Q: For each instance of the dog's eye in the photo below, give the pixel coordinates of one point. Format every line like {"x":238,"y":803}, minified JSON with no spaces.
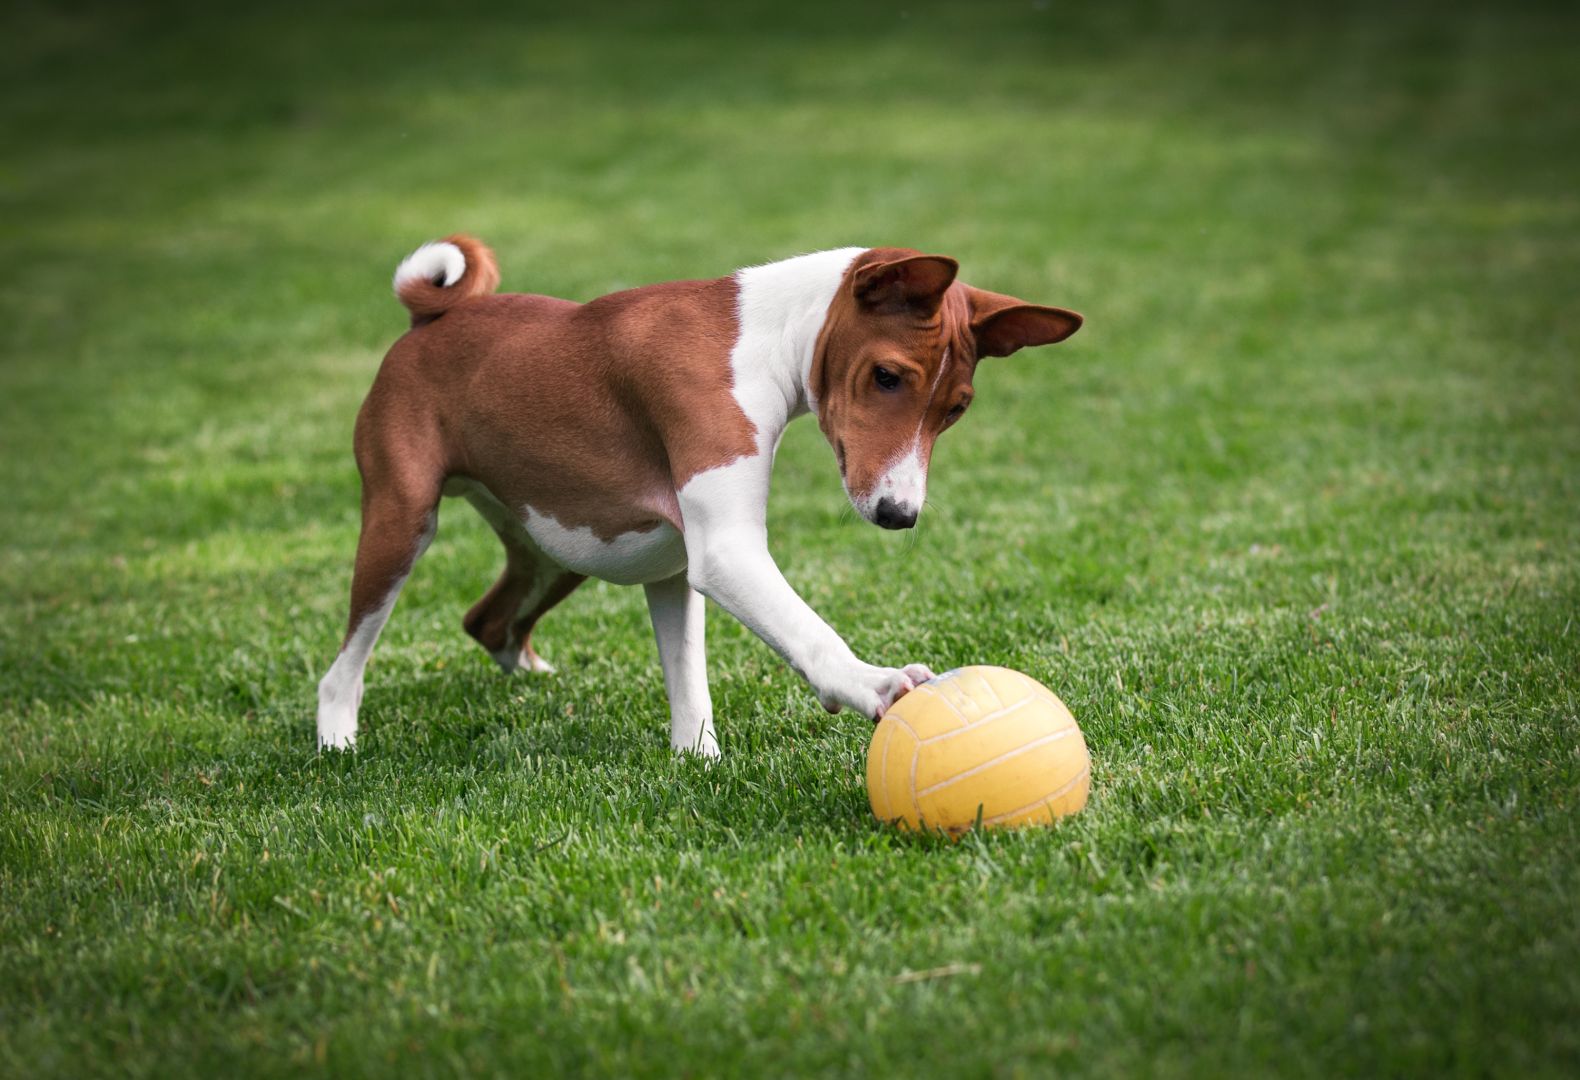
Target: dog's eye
{"x":955,"y":413}
{"x":886,"y":379}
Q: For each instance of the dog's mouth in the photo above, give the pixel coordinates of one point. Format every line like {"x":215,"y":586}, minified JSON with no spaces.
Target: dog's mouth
{"x":839,"y":452}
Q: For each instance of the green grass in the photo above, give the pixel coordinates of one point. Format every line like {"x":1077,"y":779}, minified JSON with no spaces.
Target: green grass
{"x":1291,"y":525}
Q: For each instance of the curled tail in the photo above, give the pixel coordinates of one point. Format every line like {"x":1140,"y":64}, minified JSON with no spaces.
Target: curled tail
{"x":439,"y":275}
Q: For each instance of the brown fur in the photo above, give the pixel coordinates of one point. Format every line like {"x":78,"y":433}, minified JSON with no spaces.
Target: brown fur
{"x":598,"y":413}
{"x":595,"y":414}
{"x":905,"y":311}
{"x":427,"y":300}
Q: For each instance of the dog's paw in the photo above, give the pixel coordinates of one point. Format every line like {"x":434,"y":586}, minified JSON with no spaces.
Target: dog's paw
{"x":704,"y":745}
{"x":511,"y":661}
{"x":337,"y":729}
{"x":872,"y":691}
{"x":338,"y":702}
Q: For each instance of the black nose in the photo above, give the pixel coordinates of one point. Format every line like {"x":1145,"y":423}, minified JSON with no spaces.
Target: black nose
{"x":891,"y":516}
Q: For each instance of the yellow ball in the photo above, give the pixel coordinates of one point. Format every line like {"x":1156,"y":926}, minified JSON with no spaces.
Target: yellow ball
{"x":976,"y":741}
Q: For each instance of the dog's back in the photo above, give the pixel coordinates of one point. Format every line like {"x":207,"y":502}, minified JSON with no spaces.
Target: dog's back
{"x":591,"y":413}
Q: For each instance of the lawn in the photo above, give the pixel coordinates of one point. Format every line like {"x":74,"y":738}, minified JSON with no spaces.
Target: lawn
{"x":1291,"y":526}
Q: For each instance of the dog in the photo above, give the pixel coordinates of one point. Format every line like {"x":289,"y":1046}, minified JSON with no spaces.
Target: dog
{"x":632,"y":437}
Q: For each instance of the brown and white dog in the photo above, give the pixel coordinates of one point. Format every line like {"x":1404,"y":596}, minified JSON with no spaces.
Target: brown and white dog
{"x":631,"y":438}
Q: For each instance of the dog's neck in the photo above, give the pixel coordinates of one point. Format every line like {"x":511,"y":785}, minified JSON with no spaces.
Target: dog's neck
{"x":782,"y":307}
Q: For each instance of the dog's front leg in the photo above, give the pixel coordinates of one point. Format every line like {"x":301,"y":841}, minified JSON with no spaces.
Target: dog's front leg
{"x":676,"y":609}
{"x":728,"y":562}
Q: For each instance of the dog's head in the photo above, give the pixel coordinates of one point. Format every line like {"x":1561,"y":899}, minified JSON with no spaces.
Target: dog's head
{"x":894,"y":364}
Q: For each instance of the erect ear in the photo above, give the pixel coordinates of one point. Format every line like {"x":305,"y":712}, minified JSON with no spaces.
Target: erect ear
{"x":1002,"y":324}
{"x":915,"y":283}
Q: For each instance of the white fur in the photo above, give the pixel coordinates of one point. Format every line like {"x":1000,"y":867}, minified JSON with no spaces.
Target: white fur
{"x":633,"y":558}
{"x":904,"y":482}
{"x":782,"y":308}
{"x":439,"y":260}
{"x":677,"y":613}
{"x":628,"y":559}
{"x":340,"y":691}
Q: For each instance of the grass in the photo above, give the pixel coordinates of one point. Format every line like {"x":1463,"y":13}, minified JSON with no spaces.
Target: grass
{"x":1290,"y":525}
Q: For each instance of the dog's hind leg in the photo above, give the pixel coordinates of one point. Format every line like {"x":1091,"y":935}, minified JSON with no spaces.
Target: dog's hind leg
{"x":398,"y":521}
{"x":531,"y":584}
{"x":503,"y":619}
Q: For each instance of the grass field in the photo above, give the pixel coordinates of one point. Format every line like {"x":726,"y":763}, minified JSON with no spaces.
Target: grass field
{"x":1291,"y":525}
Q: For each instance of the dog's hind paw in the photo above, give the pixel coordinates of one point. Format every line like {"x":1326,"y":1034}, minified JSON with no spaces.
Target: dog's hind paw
{"x":511,"y":661}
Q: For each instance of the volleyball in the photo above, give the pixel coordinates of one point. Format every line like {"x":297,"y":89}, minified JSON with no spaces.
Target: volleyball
{"x":977,"y":745}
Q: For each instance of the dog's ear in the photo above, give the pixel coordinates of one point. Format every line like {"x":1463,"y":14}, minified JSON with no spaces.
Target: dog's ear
{"x":915,"y":283}
{"x":1002,"y":324}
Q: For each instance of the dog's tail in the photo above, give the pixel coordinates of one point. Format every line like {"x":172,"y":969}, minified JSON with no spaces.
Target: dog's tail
{"x":439,"y":275}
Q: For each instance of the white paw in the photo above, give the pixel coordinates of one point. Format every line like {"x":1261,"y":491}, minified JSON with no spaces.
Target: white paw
{"x":513,"y":660}
{"x":871,"y":690}
{"x":704,"y":744}
{"x":337,"y":729}
{"x":338,"y":702}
